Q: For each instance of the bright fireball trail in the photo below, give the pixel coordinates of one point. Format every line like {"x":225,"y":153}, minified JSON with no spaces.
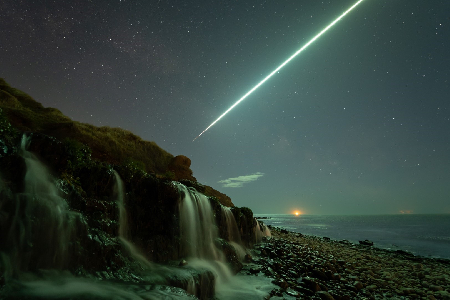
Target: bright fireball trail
{"x":281,"y":66}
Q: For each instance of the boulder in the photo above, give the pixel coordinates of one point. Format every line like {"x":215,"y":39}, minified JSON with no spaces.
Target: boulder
{"x":180,"y":166}
{"x":366,"y":243}
{"x":324,"y":295}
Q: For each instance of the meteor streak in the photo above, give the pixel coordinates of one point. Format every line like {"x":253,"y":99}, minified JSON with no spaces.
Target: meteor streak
{"x":282,"y":65}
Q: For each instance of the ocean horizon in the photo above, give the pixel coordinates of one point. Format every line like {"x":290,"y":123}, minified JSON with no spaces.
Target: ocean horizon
{"x":426,"y":235}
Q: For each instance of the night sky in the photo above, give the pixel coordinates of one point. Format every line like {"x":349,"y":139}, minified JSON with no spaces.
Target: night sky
{"x":358,"y":123}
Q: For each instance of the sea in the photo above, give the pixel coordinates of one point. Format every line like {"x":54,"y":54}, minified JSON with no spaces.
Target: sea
{"x":423,"y":235}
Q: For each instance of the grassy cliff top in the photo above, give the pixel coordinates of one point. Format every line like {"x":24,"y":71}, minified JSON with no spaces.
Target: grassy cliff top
{"x":113,"y":145}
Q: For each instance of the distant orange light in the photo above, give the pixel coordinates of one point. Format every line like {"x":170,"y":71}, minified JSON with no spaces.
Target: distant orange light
{"x":297,"y":212}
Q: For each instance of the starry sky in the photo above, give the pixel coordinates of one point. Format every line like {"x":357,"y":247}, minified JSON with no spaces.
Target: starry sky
{"x":358,"y":123}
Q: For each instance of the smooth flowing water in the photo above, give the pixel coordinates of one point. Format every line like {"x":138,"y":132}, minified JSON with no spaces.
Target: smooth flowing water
{"x":234,"y":236}
{"x":199,"y":233}
{"x":39,"y":223}
{"x":198,"y":226}
{"x":119,"y":192}
{"x":38,"y":230}
{"x":41,"y":229}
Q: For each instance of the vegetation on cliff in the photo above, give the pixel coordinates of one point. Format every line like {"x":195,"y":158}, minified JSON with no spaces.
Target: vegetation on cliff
{"x":67,"y":204}
{"x":110,"y":145}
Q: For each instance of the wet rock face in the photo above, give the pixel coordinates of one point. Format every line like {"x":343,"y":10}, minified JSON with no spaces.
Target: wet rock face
{"x":198,"y":282}
{"x":153,"y":217}
{"x":89,"y":243}
{"x":246,"y":224}
{"x":87,"y":187}
{"x":230,"y":255}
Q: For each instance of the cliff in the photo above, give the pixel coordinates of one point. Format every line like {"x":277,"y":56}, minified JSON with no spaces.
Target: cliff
{"x":69,"y":203}
{"x":110,"y":145}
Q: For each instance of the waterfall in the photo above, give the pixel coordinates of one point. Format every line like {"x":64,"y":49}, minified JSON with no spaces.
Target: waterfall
{"x":198,"y":227}
{"x":40,"y":225}
{"x":232,"y":228}
{"x":233,"y":234}
{"x":199,"y":233}
{"x":119,"y":192}
{"x":261,"y":231}
{"x":39,"y":232}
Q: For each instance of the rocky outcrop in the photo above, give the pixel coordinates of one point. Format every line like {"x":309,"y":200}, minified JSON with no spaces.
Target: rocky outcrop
{"x":151,"y":202}
{"x":224,"y":199}
{"x":180,"y":166}
{"x":88,"y":187}
{"x":91,"y":220}
{"x":208,"y":191}
{"x":95,"y":248}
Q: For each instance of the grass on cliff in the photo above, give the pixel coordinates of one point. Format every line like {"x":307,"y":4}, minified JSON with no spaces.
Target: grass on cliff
{"x":113,"y":145}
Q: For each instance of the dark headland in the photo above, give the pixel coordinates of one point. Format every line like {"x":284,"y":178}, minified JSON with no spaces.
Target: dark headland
{"x":100,"y":203}
{"x":98,"y":213}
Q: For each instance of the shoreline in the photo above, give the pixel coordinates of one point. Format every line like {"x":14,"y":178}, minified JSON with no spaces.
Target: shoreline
{"x":310,"y":267}
{"x":364,"y":244}
{"x":430,"y":241}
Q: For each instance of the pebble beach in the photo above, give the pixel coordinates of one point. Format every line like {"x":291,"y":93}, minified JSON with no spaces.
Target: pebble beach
{"x":309,"y":267}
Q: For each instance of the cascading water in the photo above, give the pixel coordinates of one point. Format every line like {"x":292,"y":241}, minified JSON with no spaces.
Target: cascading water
{"x":158,"y":274}
{"x":199,"y":233}
{"x":232,"y":228}
{"x":234,"y":236}
{"x":40,"y":225}
{"x":198,"y":226}
{"x":242,"y":287}
{"x":261,"y":231}
{"x":38,"y":232}
{"x":123,"y":224}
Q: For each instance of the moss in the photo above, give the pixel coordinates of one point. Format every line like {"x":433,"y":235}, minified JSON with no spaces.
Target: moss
{"x":9,"y":136}
{"x":247,"y":212}
{"x":95,"y":178}
{"x":217,"y":208}
{"x":134,"y":164}
{"x":74,"y":182}
{"x":169,"y":175}
{"x":79,"y":151}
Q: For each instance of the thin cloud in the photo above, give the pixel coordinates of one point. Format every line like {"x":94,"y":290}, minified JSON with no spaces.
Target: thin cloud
{"x":238,"y":182}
